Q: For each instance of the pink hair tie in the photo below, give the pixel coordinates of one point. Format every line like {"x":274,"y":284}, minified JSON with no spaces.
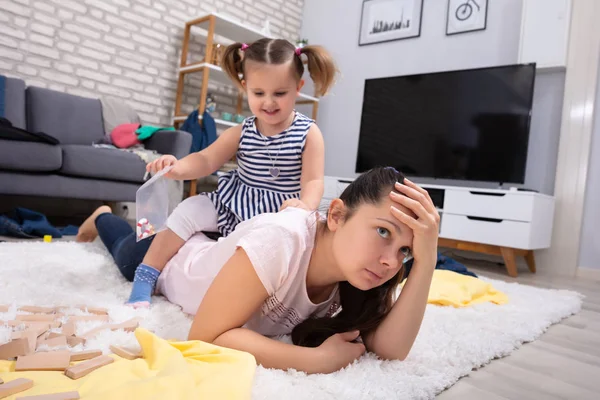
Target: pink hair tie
{"x":244,"y":47}
{"x":298,"y":51}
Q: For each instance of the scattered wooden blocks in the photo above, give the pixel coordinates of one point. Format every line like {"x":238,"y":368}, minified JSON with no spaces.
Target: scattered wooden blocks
{"x":14,"y":348}
{"x":128,"y":326}
{"x":54,"y":342}
{"x":74,"y":341}
{"x":125,"y":353}
{"x":44,"y":361}
{"x":3,"y":308}
{"x":85,"y":355}
{"x":31,"y":336}
{"x":68,"y":329}
{"x":36,"y":317}
{"x":94,"y":310}
{"x":53,"y":396}
{"x":15,"y":386}
{"x":82,"y":369}
{"x":37,"y":310}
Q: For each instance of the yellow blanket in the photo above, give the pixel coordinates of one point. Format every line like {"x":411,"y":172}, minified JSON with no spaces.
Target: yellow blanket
{"x":169,"y":370}
{"x":449,"y":288}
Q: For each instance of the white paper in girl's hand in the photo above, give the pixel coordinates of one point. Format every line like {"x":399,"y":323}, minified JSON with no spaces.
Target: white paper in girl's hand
{"x":152,"y":205}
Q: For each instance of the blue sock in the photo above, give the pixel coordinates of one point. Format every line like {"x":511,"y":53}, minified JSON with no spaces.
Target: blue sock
{"x":143,"y":283}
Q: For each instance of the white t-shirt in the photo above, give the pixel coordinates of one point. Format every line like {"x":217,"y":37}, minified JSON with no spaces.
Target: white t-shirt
{"x":279,"y":246}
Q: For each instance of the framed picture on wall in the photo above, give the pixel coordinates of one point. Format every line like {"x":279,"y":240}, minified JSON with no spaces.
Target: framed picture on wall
{"x":387,"y":20}
{"x":466,"y":16}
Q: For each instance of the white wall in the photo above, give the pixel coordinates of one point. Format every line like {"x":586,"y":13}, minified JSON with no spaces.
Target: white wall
{"x":589,"y":250}
{"x":335,"y":25}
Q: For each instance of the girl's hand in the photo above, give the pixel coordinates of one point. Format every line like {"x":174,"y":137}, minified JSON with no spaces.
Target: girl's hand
{"x":293,"y":203}
{"x":338,"y":351}
{"x":425,"y":224}
{"x":162,"y":163}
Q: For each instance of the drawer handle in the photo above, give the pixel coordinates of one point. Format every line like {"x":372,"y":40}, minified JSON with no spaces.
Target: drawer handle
{"x":344,"y":181}
{"x":485,"y":219}
{"x":487,"y":193}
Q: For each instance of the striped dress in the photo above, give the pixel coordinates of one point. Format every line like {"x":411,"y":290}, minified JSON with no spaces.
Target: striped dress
{"x":268,"y":173}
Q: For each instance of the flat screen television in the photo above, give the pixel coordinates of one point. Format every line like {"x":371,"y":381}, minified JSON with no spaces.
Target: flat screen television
{"x":465,"y":125}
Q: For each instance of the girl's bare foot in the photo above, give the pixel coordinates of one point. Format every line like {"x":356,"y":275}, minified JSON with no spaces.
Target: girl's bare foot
{"x":87,"y":230}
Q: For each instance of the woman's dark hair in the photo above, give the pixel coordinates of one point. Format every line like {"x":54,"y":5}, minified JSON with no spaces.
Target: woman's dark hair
{"x":321,"y":67}
{"x":360,"y":310}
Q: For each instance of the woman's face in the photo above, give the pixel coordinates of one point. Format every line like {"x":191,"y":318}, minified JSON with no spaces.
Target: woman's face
{"x":370,"y":246}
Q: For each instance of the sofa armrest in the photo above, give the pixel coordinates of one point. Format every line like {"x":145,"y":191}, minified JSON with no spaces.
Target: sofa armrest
{"x":176,"y":143}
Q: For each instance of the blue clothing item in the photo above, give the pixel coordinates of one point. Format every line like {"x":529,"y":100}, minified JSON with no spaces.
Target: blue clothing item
{"x":27,"y":224}
{"x":119,"y":238}
{"x":2,"y":94}
{"x":444,"y":263}
{"x":203,"y":134}
{"x":144,"y":283}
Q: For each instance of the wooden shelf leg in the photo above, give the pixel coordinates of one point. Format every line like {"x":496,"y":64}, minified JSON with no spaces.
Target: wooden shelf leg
{"x":193,"y":188}
{"x":530,"y":259}
{"x":509,"y":260}
{"x":315,"y":110}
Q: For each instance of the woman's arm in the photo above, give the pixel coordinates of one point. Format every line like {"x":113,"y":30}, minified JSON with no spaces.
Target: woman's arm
{"x":313,"y":168}
{"x":207,"y":161}
{"x":394,"y":337}
{"x":235,"y":294}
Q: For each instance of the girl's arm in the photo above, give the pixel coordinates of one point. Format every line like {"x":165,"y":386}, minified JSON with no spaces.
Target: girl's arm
{"x":207,"y":161}
{"x":235,"y":294}
{"x":313,"y":168}
{"x":394,"y":337}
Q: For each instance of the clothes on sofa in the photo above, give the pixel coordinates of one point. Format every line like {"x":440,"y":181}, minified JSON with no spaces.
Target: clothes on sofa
{"x":27,"y":224}
{"x":10,"y":132}
{"x":116,"y":112}
{"x":203,"y":134}
{"x":146,"y":131}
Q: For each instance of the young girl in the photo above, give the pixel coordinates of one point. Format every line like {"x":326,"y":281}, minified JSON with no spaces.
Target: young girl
{"x":286,"y":273}
{"x":280,"y":154}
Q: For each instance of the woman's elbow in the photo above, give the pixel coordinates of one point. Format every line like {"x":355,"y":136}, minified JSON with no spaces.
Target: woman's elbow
{"x":391,"y":354}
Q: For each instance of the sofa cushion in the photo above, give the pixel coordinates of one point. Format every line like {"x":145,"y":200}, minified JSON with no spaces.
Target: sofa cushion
{"x":71,"y":119}
{"x":14,"y":102}
{"x":101,"y":163}
{"x":29,"y":156}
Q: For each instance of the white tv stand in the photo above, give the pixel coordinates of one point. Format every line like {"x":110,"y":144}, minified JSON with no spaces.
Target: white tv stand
{"x":507,"y":223}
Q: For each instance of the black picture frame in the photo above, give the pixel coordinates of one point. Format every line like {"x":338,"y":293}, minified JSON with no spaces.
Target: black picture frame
{"x":363,"y":39}
{"x":465,"y":7}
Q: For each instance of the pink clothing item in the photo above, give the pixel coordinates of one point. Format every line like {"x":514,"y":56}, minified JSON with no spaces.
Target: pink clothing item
{"x":279,"y":246}
{"x":123,"y":136}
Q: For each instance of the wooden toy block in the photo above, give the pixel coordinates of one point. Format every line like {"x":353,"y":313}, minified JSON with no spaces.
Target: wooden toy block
{"x":37,"y":310}
{"x":52,"y":335}
{"x":14,"y":348}
{"x":55,"y":324}
{"x":128,"y":326}
{"x":36,"y":317}
{"x":53,"y":342}
{"x":30,"y":335}
{"x":125,"y":353}
{"x":82,"y":369}
{"x":94,"y":310}
{"x":68,"y":329}
{"x":53,"y":396}
{"x":74,"y":341}
{"x":85,"y":355}
{"x":44,"y":361}
{"x":3,"y":308}
{"x":95,"y":331}
{"x":15,"y":386}
{"x":79,"y":318}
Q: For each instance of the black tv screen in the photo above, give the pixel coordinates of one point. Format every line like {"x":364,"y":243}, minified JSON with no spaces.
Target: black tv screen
{"x":467,"y":125}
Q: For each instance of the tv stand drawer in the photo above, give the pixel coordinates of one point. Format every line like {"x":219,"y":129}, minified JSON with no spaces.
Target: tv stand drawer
{"x":489,"y":204}
{"x":498,"y":232}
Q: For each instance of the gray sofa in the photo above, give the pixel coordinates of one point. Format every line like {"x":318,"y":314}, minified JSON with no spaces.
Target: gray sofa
{"x":74,"y":168}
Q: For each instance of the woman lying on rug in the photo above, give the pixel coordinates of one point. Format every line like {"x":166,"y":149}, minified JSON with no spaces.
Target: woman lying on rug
{"x":284,"y":273}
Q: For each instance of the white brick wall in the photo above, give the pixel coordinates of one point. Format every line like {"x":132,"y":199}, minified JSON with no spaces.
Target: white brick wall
{"x":124,"y":48}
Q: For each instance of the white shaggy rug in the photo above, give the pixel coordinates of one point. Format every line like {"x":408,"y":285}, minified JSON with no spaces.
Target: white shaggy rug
{"x":450,"y":344}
